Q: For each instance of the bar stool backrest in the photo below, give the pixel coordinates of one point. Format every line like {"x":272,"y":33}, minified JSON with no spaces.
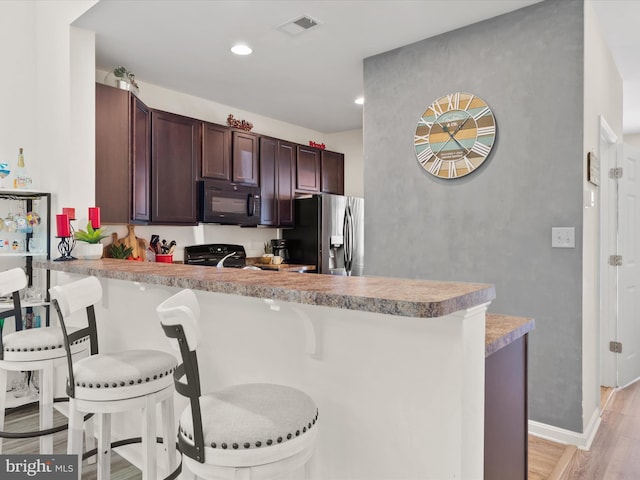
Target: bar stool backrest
{"x":11,"y":282}
{"x":71,"y":298}
{"x":179,"y":316}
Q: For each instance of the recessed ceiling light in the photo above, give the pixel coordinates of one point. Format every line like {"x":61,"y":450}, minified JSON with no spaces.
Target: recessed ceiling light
{"x":241,"y":49}
{"x":359,"y":101}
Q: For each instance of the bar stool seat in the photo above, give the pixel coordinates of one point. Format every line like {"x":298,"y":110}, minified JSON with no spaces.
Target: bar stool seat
{"x":249,"y":431}
{"x":44,"y":343}
{"x":122,"y":375}
{"x":35,"y":349}
{"x":107,"y":383}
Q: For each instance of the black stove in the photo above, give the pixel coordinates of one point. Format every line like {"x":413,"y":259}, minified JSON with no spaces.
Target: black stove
{"x":209,"y":255}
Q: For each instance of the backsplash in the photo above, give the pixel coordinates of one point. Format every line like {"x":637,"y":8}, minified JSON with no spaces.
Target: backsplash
{"x":252,"y":239}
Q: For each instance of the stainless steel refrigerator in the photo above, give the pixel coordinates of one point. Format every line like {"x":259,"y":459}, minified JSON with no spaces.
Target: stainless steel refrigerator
{"x":329,"y":234}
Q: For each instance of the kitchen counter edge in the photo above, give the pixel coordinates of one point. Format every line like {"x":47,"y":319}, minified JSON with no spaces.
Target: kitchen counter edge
{"x":502,"y":330}
{"x":391,"y":296}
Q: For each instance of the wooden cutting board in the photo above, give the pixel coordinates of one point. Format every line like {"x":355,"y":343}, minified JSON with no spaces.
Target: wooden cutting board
{"x":138,"y":245}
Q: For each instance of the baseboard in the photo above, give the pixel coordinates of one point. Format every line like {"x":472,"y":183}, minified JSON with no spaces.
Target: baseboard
{"x":567,"y":437}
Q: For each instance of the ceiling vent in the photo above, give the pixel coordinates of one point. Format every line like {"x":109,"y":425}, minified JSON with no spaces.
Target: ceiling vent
{"x":298,"y":25}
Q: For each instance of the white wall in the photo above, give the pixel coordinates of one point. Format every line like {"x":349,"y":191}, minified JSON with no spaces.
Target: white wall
{"x":602,"y":96}
{"x":351,"y":145}
{"x":633,"y":140}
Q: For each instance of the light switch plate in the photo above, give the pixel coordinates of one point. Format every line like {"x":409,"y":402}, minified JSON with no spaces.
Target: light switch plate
{"x":563,"y":237}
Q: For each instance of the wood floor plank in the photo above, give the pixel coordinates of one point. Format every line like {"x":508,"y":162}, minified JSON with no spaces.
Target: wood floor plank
{"x":26,"y":418}
{"x":613,"y":454}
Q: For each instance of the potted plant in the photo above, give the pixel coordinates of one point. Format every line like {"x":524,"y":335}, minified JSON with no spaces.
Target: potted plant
{"x":92,"y":248}
{"x":125,"y":79}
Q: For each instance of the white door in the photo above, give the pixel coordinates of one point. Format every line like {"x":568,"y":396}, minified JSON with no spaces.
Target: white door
{"x":628,"y":325}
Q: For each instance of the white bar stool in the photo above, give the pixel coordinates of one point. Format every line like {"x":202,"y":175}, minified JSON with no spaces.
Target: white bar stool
{"x":115,"y":382}
{"x":247,"y":431}
{"x":36,"y":349}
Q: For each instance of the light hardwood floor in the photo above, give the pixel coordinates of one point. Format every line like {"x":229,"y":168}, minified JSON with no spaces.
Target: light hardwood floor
{"x":26,"y":418}
{"x":614,"y":452}
{"x":553,"y":461}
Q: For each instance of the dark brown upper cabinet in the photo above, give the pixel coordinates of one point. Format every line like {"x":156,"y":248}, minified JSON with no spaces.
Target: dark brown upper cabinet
{"x":175,"y":155}
{"x":216,"y":151}
{"x":308,"y":169}
{"x":245,"y":158}
{"x":122,"y":156}
{"x":332,"y":168}
{"x":277,"y":167}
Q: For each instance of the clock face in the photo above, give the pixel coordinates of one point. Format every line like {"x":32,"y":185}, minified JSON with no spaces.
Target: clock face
{"x":455,"y":135}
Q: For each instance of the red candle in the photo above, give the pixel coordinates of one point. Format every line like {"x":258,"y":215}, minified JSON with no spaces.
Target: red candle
{"x":94,"y":217}
{"x":62,"y":224}
{"x":71,"y":212}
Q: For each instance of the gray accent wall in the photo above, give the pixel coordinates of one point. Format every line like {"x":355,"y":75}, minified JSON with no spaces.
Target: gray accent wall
{"x":493,"y":225}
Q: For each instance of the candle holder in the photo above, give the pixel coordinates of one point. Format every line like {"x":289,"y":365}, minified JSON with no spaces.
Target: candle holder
{"x":65,"y":247}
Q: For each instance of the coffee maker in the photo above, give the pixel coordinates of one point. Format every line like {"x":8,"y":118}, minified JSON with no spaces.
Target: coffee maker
{"x":279,"y":246}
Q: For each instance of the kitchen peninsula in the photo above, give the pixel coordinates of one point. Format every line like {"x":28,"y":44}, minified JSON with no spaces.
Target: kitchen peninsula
{"x":396,"y":366}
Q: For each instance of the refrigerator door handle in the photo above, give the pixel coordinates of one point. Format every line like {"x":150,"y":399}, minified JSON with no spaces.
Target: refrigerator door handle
{"x":348,"y":240}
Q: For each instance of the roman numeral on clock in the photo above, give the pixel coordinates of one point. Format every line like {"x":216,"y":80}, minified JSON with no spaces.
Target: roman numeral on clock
{"x":422,"y":121}
{"x":486,"y":131}
{"x":481,"y":149}
{"x":481,"y":113}
{"x":469,"y":102}
{"x":454,"y":101}
{"x":420,"y":139}
{"x":425,"y":155}
{"x":470,"y":166}
{"x":436,"y":108}
{"x":435,"y":166}
{"x":452,"y":170}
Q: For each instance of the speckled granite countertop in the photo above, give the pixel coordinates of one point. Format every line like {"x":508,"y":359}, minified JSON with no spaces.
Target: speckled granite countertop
{"x":410,"y":298}
{"x":501,"y":330}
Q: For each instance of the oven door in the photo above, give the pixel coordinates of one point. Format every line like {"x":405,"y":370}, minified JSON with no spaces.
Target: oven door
{"x":229,"y":203}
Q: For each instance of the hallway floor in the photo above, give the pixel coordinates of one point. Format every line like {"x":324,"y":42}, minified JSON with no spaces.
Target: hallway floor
{"x":613,"y":454}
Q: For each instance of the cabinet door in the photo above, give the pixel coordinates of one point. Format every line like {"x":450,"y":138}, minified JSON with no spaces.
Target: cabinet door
{"x":175,"y":153}
{"x":141,"y":161}
{"x":286,"y":164}
{"x":245,"y":158}
{"x":268,"y":174}
{"x":332,"y":172}
{"x":113,"y":130}
{"x":216,"y":152}
{"x":308,"y":169}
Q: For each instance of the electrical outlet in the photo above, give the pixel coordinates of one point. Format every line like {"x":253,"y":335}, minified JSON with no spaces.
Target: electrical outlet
{"x":563,"y":237}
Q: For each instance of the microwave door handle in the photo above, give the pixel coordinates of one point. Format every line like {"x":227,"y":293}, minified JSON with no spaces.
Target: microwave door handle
{"x":251,"y":205}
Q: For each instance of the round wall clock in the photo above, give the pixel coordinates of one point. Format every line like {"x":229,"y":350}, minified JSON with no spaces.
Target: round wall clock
{"x":455,"y":135}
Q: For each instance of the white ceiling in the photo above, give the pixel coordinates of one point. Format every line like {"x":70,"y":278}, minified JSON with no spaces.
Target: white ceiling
{"x":310,"y":79}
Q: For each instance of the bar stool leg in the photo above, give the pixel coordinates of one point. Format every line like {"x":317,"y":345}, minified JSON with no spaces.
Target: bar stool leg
{"x":3,"y":400}
{"x":90,"y":439}
{"x":169,"y":434}
{"x":104,"y":447}
{"x":74,"y":438}
{"x":45,"y":376}
{"x":149,"y":438}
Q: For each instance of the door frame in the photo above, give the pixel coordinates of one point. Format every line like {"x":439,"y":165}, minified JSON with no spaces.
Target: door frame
{"x":608,"y":154}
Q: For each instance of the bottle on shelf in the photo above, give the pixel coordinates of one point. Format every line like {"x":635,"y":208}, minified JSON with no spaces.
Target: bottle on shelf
{"x":22,"y":178}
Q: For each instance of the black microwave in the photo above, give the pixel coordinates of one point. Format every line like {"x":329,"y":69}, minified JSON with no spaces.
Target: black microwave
{"x":229,"y":203}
